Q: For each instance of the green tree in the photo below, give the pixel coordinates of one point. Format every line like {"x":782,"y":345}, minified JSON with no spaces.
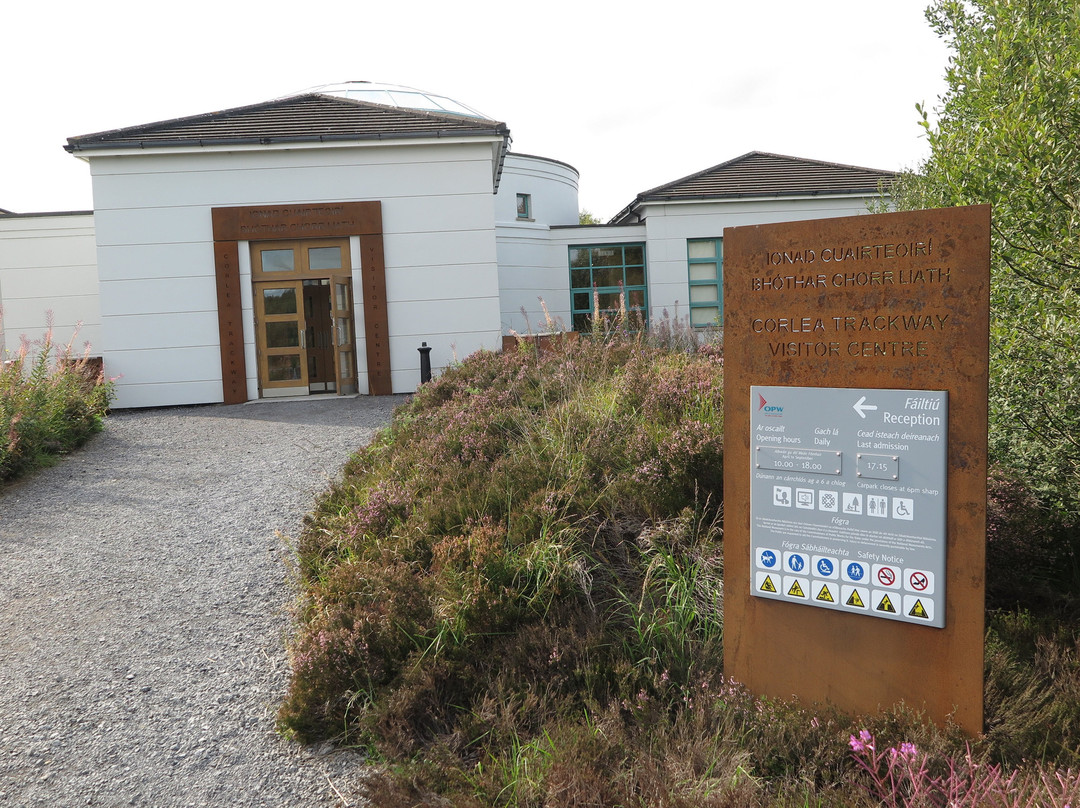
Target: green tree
{"x":1008,"y":133}
{"x":586,"y":216}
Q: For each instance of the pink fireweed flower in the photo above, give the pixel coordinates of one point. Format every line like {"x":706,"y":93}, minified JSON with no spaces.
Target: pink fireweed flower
{"x":863,"y":742}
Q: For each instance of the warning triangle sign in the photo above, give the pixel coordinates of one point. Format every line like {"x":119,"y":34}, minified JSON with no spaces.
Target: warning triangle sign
{"x":767,"y":585}
{"x":918,"y":610}
{"x":796,"y":591}
{"x":855,"y":600}
{"x":886,"y":605}
{"x":825,"y":594}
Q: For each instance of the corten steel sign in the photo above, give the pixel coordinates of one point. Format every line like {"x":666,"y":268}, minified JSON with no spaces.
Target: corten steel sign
{"x":856,"y":367}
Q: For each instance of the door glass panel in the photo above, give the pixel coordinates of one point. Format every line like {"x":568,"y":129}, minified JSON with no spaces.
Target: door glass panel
{"x":345,"y":364}
{"x":280,"y":301}
{"x":324,"y":258}
{"x":341,"y":296}
{"x":282,"y":335}
{"x":277,"y":260}
{"x":635,"y":255}
{"x":635,"y":276}
{"x":284,"y":368}
{"x":344,"y":331}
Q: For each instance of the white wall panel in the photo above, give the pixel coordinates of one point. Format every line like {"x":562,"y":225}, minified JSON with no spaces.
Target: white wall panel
{"x":33,"y":283}
{"x":195,"y":182}
{"x":148,"y":377}
{"x":255,"y":158}
{"x":448,"y":319}
{"x":158,"y":226}
{"x":28,"y":316}
{"x":135,"y":261}
{"x":165,"y":394}
{"x":48,"y":264}
{"x":443,"y":283}
{"x":437,"y":214}
{"x":158,"y":331}
{"x":440,"y":249}
{"x":158,"y":296}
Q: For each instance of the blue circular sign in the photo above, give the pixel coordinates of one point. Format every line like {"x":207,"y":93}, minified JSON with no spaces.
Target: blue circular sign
{"x":824,"y":567}
{"x":768,"y":558}
{"x":796,"y":563}
{"x":855,"y":571}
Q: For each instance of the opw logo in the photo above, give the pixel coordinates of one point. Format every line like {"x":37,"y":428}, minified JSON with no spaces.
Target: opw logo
{"x":770,"y":409}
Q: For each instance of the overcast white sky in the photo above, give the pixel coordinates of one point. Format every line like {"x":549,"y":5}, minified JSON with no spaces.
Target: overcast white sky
{"x":631,"y":94}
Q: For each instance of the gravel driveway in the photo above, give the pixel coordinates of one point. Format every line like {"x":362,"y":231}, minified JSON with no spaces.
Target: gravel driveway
{"x":143,"y":606}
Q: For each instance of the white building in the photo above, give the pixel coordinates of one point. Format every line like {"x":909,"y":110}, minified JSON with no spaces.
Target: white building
{"x":311,"y":244}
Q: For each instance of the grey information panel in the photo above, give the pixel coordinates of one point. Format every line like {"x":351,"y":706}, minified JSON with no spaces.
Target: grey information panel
{"x":847,"y":499}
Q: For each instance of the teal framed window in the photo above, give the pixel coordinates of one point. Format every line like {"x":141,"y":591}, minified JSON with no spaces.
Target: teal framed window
{"x":609,"y":271}
{"x":524,"y":206}
{"x":705,"y":262}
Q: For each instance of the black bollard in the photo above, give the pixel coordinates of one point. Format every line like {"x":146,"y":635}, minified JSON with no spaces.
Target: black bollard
{"x":425,"y":362}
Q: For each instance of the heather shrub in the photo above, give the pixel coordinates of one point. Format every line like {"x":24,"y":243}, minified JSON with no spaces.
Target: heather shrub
{"x":535,"y":528}
{"x":514,"y":597}
{"x":1033,"y":688}
{"x":51,"y":402}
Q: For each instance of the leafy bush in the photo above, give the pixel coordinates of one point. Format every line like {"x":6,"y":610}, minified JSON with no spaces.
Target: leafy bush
{"x":51,"y":402}
{"x":1007,"y":133}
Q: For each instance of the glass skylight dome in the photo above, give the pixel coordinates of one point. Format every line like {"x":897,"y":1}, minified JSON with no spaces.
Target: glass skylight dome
{"x":396,"y":95}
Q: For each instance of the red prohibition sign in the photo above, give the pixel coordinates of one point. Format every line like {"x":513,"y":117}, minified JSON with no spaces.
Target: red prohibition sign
{"x":886,"y":576}
{"x":919,"y":581}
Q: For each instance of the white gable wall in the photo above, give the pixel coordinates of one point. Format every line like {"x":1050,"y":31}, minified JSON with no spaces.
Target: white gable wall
{"x":48,"y":265}
{"x":156,"y":262}
{"x":670,"y":225}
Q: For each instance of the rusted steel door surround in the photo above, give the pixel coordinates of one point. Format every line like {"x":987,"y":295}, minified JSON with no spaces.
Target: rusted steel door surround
{"x":299,"y":221}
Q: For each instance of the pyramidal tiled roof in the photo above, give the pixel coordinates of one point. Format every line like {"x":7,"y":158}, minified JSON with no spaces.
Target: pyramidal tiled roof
{"x":758,"y":174}
{"x":309,"y":118}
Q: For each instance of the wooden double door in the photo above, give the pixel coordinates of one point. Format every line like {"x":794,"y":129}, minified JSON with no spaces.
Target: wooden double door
{"x":305,"y":339}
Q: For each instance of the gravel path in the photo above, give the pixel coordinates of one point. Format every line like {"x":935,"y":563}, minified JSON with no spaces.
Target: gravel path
{"x":143,"y":606}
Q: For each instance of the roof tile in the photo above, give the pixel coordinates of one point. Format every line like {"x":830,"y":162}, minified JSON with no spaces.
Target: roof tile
{"x":302,"y":118}
{"x":758,"y":174}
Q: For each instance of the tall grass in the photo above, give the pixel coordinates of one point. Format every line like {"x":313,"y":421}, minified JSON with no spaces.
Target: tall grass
{"x":51,"y":401}
{"x":514,"y":598}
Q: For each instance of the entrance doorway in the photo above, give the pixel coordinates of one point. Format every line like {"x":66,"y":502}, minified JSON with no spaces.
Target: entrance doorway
{"x":304,"y":317}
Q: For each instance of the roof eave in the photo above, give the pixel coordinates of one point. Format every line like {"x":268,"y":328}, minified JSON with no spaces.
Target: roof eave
{"x":804,"y":194}
{"x":172,"y":143}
